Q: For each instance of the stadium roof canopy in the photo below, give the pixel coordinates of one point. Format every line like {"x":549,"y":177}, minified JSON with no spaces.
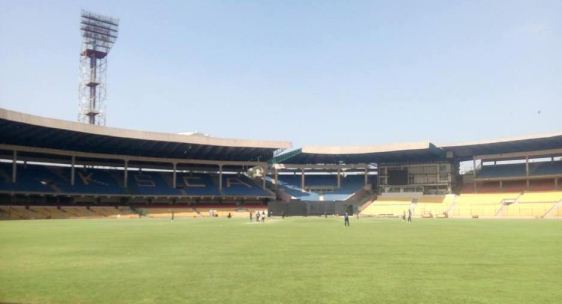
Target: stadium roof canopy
{"x":24,"y":130}
{"x":425,"y":151}
{"x":406,"y":152}
{"x":19,"y":129}
{"x":544,"y":142}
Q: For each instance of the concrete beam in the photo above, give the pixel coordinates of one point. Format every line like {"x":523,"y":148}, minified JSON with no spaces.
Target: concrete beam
{"x":72,"y":169}
{"x":14,"y":166}
{"x":127,"y":157}
{"x":174,"y":182}
{"x":520,"y":155}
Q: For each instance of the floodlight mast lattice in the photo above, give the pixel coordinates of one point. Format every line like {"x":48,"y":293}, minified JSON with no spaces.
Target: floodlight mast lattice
{"x":99,"y":33}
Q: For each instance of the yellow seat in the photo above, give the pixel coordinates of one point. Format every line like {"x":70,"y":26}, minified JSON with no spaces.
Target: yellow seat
{"x":481,"y":205}
{"x":541,"y":197}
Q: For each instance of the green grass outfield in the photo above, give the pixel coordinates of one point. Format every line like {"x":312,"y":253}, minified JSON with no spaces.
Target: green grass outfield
{"x":296,"y":260}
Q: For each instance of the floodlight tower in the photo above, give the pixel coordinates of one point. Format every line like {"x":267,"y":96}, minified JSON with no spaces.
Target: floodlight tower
{"x":98,"y":36}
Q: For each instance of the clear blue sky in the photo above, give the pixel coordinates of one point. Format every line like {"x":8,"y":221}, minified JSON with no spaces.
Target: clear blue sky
{"x":312,"y":72}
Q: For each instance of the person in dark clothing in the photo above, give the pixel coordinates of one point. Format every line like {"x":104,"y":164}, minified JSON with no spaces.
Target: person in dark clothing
{"x":346,"y":219}
{"x":409,"y":215}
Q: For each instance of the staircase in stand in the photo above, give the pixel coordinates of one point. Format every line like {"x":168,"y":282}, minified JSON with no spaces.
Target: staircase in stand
{"x":553,"y":209}
{"x":453,"y":205}
{"x":504,"y":206}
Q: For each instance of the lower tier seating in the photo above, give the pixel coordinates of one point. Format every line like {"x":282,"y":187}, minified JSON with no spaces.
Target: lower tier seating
{"x":63,"y":212}
{"x":481,"y":205}
{"x":15,"y":212}
{"x":526,"y":204}
{"x":425,"y":208}
{"x":536,"y":204}
{"x":425,"y":205}
{"x":484,"y":205}
{"x":202,"y":211}
{"x":530,"y":210}
{"x":541,"y":197}
{"x":321,"y":187}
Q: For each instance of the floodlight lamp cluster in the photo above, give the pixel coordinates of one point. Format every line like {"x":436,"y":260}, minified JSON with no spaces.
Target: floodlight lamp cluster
{"x":99,"y":33}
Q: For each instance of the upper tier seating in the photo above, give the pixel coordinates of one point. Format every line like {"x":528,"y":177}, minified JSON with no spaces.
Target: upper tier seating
{"x":547,"y":168}
{"x":509,"y":170}
{"x":321,"y":187}
{"x":512,"y":186}
{"x":518,"y":170}
{"x":52,"y":180}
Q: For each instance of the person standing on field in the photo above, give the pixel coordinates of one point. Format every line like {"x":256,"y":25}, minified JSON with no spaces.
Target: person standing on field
{"x":346,"y":219}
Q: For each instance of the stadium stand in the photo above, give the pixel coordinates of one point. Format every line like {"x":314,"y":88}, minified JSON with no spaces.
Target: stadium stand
{"x":387,"y":207}
{"x":421,"y":205}
{"x":434,"y":206}
{"x":518,"y":185}
{"x":321,"y":187}
{"x":203,"y":211}
{"x":60,"y":169}
{"x":481,"y":205}
{"x":75,"y":212}
{"x":518,"y":170}
{"x":535,"y":205}
{"x":56,"y":180}
{"x":527,"y":204}
{"x":509,"y":170}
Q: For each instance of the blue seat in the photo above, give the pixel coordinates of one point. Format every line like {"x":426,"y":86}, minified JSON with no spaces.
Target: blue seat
{"x":197,"y":184}
{"x":497,"y":171}
{"x":88,"y":181}
{"x":241,"y":185}
{"x":546,"y":168}
{"x":149,"y":183}
{"x":32,"y":179}
{"x":349,"y":185}
{"x":518,"y":170}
